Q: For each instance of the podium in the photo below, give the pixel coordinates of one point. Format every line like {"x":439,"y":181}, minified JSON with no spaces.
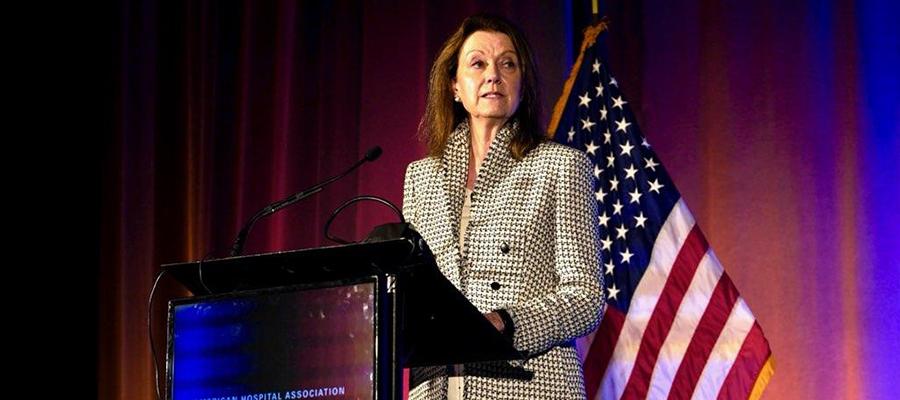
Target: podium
{"x":340,"y":320}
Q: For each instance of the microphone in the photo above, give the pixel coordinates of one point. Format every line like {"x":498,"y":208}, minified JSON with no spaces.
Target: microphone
{"x":238,"y":246}
{"x":373,"y":153}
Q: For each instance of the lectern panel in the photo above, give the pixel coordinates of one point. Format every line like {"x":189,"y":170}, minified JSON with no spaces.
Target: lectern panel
{"x":286,"y":343}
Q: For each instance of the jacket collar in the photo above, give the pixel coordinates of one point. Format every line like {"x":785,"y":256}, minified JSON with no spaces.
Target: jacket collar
{"x":455,"y":163}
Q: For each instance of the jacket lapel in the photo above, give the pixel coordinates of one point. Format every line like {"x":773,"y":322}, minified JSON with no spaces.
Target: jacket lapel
{"x":454,"y":166}
{"x":497,"y":161}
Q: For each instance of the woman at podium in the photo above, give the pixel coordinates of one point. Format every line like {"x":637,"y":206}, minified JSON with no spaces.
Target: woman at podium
{"x":510,"y":217}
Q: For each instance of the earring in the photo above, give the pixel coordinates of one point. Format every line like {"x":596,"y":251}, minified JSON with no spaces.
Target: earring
{"x":456,"y":98}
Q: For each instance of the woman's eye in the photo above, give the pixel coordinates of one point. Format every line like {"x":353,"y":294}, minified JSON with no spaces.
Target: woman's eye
{"x":509,"y":64}
{"x":477,"y":63}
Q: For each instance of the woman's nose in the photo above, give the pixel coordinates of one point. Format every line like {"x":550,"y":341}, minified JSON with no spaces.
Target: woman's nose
{"x":493,"y":74}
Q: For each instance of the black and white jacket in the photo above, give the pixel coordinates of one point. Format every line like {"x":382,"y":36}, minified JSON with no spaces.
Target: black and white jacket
{"x":530,"y":248}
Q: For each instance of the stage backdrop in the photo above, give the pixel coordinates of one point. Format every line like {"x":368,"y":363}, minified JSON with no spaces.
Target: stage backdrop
{"x":780,"y":124}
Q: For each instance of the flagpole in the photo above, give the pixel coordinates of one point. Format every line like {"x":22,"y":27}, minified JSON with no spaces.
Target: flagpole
{"x":590,"y":35}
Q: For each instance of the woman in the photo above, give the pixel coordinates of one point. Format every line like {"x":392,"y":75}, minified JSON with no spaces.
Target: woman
{"x":509,"y":216}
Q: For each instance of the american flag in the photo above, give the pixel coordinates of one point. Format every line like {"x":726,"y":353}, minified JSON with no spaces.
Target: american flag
{"x":675,"y":326}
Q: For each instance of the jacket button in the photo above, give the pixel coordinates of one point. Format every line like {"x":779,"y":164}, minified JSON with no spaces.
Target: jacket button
{"x":495,"y":285}
{"x":504,"y":248}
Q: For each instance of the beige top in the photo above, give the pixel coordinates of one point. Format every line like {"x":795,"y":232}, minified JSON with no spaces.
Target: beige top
{"x":455,"y":382}
{"x":464,"y":217}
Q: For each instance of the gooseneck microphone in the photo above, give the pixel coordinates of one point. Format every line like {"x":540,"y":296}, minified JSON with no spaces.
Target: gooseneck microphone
{"x":238,"y":246}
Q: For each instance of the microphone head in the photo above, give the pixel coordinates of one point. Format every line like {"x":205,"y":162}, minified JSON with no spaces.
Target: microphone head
{"x":373,"y":153}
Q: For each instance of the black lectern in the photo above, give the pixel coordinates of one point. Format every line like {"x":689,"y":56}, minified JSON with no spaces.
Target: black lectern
{"x":320,"y":301}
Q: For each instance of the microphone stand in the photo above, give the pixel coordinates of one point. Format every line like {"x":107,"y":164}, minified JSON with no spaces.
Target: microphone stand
{"x":238,"y":247}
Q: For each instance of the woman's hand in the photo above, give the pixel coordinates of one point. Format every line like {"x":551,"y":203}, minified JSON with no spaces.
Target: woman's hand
{"x":495,"y":320}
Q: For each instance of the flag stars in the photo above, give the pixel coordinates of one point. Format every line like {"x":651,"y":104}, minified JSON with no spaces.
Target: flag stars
{"x":613,"y":184}
{"x":571,"y":133}
{"x":599,"y":195}
{"x":617,"y":208}
{"x":655,"y":186}
{"x":591,"y":148}
{"x":595,"y":67}
{"x":606,"y":243}
{"x":650,"y":164}
{"x":586,"y":124}
{"x":613,"y":292}
{"x":584,"y":100}
{"x":640,"y":219}
{"x":626,"y":256}
{"x":630,"y":171}
{"x":622,"y":125}
{"x":610,"y":267}
{"x":597,"y":171}
{"x":604,"y":220}
{"x":626,"y":148}
{"x":618,"y":102}
{"x":644,"y":143}
{"x":610,"y":159}
{"x":599,"y":89}
{"x":635,"y":196}
{"x":612,"y":81}
{"x":621,"y":231}
{"x":607,"y":136}
{"x":603,"y":113}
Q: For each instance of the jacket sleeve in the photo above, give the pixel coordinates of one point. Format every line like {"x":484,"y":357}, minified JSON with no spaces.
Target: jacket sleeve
{"x":409,"y":198}
{"x":576,"y":307}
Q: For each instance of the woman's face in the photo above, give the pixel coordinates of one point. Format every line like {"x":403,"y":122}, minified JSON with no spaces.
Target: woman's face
{"x":488,"y":76}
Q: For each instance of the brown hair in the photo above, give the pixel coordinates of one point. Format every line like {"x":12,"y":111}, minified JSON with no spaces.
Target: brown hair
{"x":442,"y":114}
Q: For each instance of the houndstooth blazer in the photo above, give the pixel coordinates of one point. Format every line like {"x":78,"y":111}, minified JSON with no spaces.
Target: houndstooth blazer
{"x":530,"y":248}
